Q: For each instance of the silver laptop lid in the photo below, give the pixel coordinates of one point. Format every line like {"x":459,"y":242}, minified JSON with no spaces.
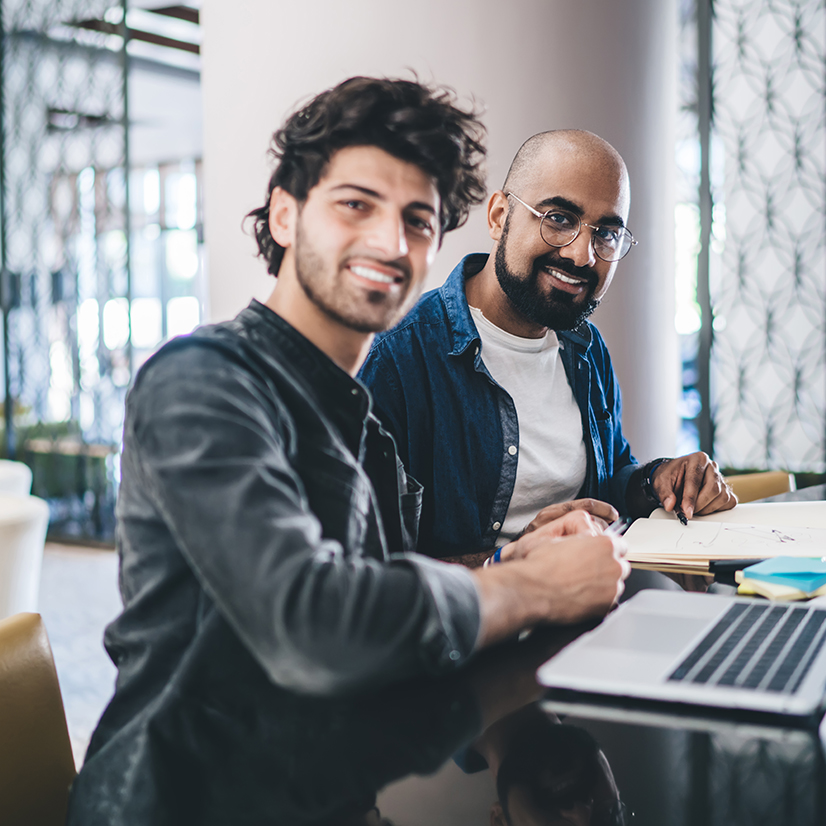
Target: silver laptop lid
{"x":704,"y":650}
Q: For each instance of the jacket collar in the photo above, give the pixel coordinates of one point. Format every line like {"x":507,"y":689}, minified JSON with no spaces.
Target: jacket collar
{"x":274,"y":337}
{"x":463,"y":330}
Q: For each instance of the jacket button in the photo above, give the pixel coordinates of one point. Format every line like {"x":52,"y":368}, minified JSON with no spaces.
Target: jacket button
{"x":512,"y":450}
{"x":496,"y":525}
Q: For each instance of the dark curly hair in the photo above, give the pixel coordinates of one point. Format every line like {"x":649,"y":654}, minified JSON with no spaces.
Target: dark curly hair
{"x":413,"y":122}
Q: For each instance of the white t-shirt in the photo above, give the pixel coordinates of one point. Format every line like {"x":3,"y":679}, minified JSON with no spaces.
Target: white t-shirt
{"x":552,"y":458}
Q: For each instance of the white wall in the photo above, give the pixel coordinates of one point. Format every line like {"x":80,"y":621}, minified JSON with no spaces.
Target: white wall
{"x":534,"y":64}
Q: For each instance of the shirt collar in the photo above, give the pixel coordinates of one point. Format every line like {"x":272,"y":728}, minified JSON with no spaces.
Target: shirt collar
{"x":463,"y":329}
{"x":334,"y":387}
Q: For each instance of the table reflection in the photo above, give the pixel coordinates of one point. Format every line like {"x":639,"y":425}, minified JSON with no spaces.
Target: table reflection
{"x":485,"y":746}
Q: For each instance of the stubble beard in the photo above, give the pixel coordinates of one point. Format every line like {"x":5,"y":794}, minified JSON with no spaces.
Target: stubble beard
{"x":327,"y":293}
{"x":556,"y":310}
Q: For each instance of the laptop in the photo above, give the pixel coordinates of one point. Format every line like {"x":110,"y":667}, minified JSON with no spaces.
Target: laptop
{"x":704,"y":650}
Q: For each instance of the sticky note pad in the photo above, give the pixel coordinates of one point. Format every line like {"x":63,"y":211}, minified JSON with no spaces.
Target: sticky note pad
{"x":794,"y":572}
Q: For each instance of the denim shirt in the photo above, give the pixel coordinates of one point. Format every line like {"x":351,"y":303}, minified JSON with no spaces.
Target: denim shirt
{"x":265,"y":530}
{"x":456,"y":429}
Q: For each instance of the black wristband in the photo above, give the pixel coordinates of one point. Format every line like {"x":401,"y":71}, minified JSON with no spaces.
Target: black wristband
{"x":647,"y":478}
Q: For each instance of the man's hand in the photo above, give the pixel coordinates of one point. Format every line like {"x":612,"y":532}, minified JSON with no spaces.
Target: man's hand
{"x":568,"y":523}
{"x":693,"y":484}
{"x":552,"y":580}
{"x":601,"y":510}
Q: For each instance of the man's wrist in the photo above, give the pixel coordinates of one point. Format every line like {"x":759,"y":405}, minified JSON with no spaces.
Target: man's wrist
{"x":494,"y":559}
{"x":647,"y":481}
{"x":640,"y":497}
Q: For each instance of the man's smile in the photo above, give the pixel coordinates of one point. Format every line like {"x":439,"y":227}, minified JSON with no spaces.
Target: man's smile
{"x":569,"y":283}
{"x":378,"y":276}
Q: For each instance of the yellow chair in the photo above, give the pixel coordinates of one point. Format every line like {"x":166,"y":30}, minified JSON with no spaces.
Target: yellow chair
{"x":751,"y":486}
{"x":36,"y":763}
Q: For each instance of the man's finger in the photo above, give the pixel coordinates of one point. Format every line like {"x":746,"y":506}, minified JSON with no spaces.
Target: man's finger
{"x":725,"y":500}
{"x":668,"y":483}
{"x":693,"y":481}
{"x":602,"y":524}
{"x":597,"y":507}
{"x":712,"y":489}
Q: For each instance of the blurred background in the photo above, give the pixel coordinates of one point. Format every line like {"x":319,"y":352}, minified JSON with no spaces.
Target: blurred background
{"x":134,"y":139}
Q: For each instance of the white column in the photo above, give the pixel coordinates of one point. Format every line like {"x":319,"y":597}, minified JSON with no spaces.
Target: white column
{"x":534,"y":65}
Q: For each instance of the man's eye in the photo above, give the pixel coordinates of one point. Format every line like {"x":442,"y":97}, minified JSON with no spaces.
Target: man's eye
{"x":608,"y":235}
{"x":354,"y":203}
{"x":560,"y":220}
{"x":421,"y":225}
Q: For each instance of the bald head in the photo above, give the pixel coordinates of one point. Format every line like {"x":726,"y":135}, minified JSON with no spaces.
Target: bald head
{"x":545,"y":152}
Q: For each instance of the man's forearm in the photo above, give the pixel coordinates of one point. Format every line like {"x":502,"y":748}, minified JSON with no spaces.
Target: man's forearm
{"x":508,"y":603}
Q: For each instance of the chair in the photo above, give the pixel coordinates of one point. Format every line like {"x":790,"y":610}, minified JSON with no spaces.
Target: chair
{"x":751,"y":486}
{"x":15,"y":478}
{"x":36,"y":763}
{"x":23,"y":524}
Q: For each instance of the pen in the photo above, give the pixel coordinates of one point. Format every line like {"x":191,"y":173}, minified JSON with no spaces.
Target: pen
{"x":729,"y":566}
{"x":681,"y":516}
{"x":618,"y":527}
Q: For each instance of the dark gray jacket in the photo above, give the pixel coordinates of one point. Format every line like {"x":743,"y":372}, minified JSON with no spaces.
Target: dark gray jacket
{"x":264,"y":530}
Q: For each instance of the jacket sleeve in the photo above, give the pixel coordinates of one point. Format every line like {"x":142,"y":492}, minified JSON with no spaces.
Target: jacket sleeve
{"x":212,"y":455}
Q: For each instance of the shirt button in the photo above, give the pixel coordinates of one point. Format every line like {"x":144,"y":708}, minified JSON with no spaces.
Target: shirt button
{"x":355,"y":391}
{"x":454,"y":655}
{"x":496,"y":525}
{"x":512,"y":450}
{"x":476,"y":352}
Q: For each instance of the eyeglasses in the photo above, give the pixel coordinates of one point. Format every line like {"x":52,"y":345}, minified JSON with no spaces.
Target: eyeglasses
{"x":558,"y":228}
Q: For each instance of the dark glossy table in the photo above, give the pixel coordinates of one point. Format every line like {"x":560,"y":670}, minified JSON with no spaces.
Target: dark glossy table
{"x":814,"y":493}
{"x":553,"y":761}
{"x":572,"y":760}
{"x":490,"y":746}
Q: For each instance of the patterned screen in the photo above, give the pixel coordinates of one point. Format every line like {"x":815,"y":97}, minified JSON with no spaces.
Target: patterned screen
{"x":768,"y":278}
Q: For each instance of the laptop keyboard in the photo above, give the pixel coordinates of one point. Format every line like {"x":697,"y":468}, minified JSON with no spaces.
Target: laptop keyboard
{"x":759,"y":647}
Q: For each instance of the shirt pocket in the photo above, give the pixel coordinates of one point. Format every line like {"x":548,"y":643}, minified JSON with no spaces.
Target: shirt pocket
{"x":410,"y":503}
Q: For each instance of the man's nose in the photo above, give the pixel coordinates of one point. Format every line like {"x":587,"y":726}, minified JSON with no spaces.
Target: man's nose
{"x":581,"y":250}
{"x":388,"y":235}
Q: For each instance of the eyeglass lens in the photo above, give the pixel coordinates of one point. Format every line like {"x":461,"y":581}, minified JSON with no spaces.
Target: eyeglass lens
{"x":559,"y":228}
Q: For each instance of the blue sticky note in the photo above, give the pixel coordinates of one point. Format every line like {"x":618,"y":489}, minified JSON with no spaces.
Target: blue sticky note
{"x":795,"y":572}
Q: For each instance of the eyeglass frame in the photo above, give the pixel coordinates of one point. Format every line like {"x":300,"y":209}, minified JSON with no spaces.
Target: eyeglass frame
{"x":543,"y":215}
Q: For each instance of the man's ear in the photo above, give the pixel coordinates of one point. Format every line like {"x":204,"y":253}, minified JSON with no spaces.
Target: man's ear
{"x":283,"y":217}
{"x":497,"y":213}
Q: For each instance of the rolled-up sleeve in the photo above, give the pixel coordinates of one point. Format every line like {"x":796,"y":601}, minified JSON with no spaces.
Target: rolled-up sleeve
{"x":210,"y":446}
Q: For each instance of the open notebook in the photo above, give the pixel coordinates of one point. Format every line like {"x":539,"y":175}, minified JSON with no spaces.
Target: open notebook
{"x":751,"y":531}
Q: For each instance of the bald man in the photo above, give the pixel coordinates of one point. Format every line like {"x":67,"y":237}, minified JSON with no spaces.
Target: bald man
{"x":501,"y":395}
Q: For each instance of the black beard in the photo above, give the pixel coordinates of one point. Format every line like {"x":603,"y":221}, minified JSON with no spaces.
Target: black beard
{"x":556,"y":311}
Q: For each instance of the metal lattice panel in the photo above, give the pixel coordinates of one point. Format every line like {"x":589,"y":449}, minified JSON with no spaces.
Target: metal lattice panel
{"x":768,"y":287}
{"x":64,"y":156}
{"x":65,"y":251}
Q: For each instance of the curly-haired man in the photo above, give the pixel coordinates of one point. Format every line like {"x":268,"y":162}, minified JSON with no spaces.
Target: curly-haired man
{"x":266,"y":527}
